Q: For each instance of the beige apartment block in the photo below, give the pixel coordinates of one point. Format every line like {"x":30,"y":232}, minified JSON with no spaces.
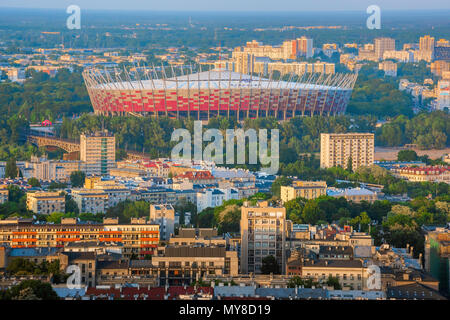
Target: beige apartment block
{"x":337,"y":148}
{"x":91,"y":200}
{"x":351,"y":273}
{"x":303,"y":189}
{"x":382,"y":45}
{"x":263,"y":233}
{"x":98,"y":151}
{"x":45,"y":202}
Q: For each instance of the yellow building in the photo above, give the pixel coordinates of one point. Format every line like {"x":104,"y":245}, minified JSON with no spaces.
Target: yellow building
{"x":303,"y":189}
{"x":45,"y":202}
{"x":90,"y":182}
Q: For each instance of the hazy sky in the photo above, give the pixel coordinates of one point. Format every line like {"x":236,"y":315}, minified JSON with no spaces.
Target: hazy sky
{"x":231,"y":5}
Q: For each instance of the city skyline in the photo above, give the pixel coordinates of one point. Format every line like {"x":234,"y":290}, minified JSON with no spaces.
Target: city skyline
{"x":233,"y":5}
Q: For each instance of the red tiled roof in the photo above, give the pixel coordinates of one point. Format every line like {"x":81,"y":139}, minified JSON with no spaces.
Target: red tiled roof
{"x":425,"y":170}
{"x":128,"y":293}
{"x":196,"y":175}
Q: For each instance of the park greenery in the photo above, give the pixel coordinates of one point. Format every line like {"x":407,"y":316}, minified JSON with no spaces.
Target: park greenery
{"x":25,"y":267}
{"x":29,"y":290}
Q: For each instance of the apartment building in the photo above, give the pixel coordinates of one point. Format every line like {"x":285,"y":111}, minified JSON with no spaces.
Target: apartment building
{"x":426,"y":47}
{"x":389,"y":68}
{"x":98,"y":151}
{"x":439,"y":67}
{"x":45,"y":202}
{"x":337,"y":148}
{"x":115,"y":193}
{"x":263,"y":233}
{"x":164,"y":216}
{"x":157,"y":195}
{"x":351,"y":273}
{"x":443,"y":94}
{"x":303,"y":189}
{"x":90,"y":200}
{"x":181,"y":265}
{"x":423,"y":174}
{"x":191,"y":236}
{"x":437,"y":256}
{"x":402,"y":55}
{"x":137,"y":240}
{"x":382,"y":45}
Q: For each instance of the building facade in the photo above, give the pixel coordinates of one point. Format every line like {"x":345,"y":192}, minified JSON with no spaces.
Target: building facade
{"x":337,"y":148}
{"x":98,"y":152}
{"x":303,"y":189}
{"x":164,"y":216}
{"x":45,"y":202}
{"x":263,"y":233}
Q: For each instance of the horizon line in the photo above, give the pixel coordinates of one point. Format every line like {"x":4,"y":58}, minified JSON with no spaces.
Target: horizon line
{"x":227,"y":11}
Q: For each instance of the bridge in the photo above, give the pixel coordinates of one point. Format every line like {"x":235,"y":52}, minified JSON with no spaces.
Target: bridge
{"x":67,"y":145}
{"x":74,"y":146}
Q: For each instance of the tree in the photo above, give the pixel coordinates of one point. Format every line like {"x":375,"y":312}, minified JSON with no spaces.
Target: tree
{"x":21,"y":266}
{"x":128,"y":209}
{"x":15,"y":193}
{"x":11,"y":170}
{"x":350,"y":164}
{"x":280,"y":181}
{"x":270,"y":265}
{"x":205,"y":218}
{"x":31,"y":289}
{"x":311,"y":213}
{"x":407,"y":155}
{"x":333,"y":282}
{"x":77,"y":178}
{"x":70,"y":206}
{"x":55,"y":217}
{"x":34,"y":182}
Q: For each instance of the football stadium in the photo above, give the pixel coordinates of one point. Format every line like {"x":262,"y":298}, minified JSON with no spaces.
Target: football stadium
{"x":161,"y":91}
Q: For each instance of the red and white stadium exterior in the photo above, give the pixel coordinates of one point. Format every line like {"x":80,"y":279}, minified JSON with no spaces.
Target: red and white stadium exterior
{"x":207,"y":94}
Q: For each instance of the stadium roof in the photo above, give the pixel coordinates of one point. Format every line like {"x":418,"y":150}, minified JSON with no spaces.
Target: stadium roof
{"x":215,"y":79}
